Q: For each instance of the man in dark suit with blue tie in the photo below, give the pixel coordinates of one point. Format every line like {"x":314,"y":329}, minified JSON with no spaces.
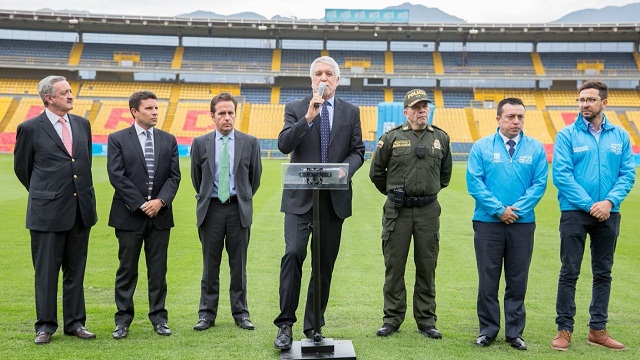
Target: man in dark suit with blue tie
{"x":142,"y":162}
{"x":52,"y":159}
{"x":316,"y":120}
{"x":225,"y":171}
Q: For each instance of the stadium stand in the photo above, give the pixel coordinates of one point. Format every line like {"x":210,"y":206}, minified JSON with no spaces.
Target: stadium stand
{"x":162,"y":55}
{"x":266,"y":120}
{"x":454,"y":122}
{"x":413,"y":62}
{"x":114,"y":115}
{"x":38,"y":49}
{"x":19,"y":86}
{"x":104,"y":89}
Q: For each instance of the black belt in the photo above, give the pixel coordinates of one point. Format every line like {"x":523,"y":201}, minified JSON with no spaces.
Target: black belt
{"x":230,"y":200}
{"x":416,"y":201}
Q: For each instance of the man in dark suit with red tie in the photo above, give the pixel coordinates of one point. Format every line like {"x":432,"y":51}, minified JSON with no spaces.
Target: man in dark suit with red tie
{"x":52,"y":159}
{"x":142,"y":162}
{"x":321,"y":118}
{"x":225,"y":172}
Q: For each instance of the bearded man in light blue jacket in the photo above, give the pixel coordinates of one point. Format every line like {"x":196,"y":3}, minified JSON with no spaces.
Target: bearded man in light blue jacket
{"x":594,"y":170}
{"x":507,"y":176}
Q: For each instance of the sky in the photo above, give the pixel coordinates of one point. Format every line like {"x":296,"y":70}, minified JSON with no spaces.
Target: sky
{"x":473,"y":11}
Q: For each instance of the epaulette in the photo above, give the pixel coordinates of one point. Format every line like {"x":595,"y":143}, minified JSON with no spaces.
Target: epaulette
{"x":435,"y":127}
{"x":394,"y":128}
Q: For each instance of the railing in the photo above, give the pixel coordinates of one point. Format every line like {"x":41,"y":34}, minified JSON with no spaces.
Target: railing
{"x":293,"y":69}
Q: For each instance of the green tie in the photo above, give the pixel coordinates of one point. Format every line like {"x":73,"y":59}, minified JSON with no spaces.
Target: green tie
{"x":223,"y":174}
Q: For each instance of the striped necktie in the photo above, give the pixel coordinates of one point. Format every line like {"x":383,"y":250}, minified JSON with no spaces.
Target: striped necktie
{"x":148,"y":158}
{"x":66,"y":135}
{"x":223,"y":173}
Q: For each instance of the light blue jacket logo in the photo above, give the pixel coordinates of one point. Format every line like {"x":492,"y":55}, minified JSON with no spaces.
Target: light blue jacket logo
{"x":616,"y":148}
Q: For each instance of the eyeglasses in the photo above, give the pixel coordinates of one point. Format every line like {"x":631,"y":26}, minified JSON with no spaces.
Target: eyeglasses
{"x":587,"y":101}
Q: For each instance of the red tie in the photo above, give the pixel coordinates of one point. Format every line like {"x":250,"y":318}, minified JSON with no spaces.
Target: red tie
{"x":66,"y":136}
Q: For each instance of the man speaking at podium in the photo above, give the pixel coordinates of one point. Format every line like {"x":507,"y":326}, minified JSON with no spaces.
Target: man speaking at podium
{"x":319,"y":128}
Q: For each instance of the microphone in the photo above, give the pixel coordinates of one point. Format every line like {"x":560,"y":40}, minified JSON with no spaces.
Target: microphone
{"x":321,"y":88}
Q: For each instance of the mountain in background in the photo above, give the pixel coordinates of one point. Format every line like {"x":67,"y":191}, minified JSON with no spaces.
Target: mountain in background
{"x":423,"y":14}
{"x":610,"y":14}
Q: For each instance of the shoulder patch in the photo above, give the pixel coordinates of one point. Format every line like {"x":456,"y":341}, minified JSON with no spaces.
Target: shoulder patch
{"x":380,"y":143}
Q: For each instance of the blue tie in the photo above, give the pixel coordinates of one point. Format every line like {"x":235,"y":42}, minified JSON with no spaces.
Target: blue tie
{"x":148,"y":158}
{"x":325,"y":132}
{"x":511,"y":144}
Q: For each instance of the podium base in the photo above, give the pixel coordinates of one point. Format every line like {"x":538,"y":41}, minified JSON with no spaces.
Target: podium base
{"x":327,"y":349}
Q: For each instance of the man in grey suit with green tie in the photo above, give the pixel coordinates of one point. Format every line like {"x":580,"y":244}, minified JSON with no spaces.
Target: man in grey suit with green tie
{"x":225,"y":171}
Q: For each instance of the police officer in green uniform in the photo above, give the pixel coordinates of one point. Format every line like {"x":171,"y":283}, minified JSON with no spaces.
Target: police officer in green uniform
{"x":411,"y":164}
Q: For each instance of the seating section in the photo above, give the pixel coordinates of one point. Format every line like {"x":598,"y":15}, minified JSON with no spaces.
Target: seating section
{"x":375,"y":59}
{"x":457,"y":98}
{"x":206,"y":91}
{"x":369,"y":122}
{"x":256,"y":95}
{"x":626,"y":98}
{"x":491,"y":59}
{"x":496,"y":95}
{"x":560,"y":98}
{"x":5,"y":102}
{"x":236,"y":59}
{"x":31,"y":106}
{"x":148,"y":53}
{"x":19,"y":86}
{"x":266,"y":120}
{"x":413,"y":62}
{"x":192,"y":119}
{"x":104,"y":89}
{"x":37,"y":49}
{"x":569,"y":60}
{"x":454,"y":122}
{"x":114,"y":115}
{"x":297,"y":59}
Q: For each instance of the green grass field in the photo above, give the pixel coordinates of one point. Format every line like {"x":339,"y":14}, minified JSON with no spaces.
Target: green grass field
{"x":355,"y":307}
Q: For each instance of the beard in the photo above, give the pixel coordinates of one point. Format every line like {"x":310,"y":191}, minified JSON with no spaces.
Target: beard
{"x":592,"y":116}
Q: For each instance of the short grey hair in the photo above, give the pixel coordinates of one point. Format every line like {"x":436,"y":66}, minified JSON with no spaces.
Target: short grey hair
{"x":326,"y":60}
{"x":45,"y":87}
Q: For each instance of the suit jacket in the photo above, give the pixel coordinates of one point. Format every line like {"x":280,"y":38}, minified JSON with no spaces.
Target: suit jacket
{"x":59,"y":184}
{"x":129,"y":177}
{"x":345,"y":146}
{"x":247,"y":167}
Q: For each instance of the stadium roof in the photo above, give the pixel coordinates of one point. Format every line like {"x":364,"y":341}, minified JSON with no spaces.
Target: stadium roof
{"x":314,"y":30}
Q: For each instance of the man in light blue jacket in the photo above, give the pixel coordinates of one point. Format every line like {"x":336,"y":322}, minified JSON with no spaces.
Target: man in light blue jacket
{"x":594,"y":170}
{"x":507,"y":177}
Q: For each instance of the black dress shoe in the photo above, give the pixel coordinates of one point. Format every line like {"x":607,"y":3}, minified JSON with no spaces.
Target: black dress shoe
{"x":245,"y":323}
{"x":484,"y":340}
{"x":386,"y":330}
{"x":163,"y":329}
{"x":120,"y":332}
{"x":517,"y":343}
{"x":203,"y":324}
{"x":430,"y":332}
{"x":283,"y":339}
{"x":42,"y":338}
{"x":82,"y":333}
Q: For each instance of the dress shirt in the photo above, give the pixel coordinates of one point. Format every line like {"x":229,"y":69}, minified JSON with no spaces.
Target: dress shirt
{"x":55,"y":121}
{"x":142,"y":136}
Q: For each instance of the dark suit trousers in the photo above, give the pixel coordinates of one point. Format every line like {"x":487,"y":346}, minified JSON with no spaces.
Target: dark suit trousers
{"x":156,"y":244}
{"x":494,"y":243}
{"x":50,"y":251}
{"x":221,"y":228}
{"x":297,"y":229}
